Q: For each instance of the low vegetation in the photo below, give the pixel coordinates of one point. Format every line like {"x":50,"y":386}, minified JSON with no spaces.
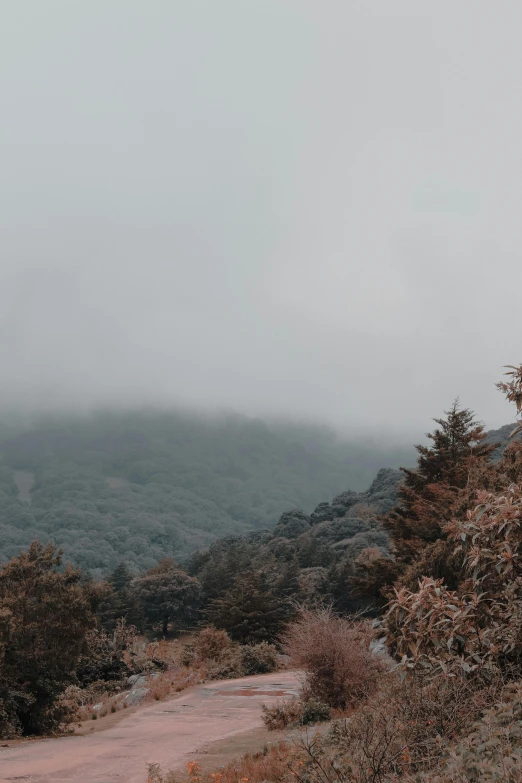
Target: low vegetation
{"x":334,"y":655}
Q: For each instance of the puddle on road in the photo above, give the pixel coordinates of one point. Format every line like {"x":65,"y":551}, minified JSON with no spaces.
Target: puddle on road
{"x":248,"y":692}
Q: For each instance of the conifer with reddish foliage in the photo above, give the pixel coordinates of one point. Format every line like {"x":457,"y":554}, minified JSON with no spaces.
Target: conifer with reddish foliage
{"x":431,"y":492}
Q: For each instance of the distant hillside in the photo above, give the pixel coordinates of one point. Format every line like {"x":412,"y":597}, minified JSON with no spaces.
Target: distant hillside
{"x":319,"y":548}
{"x":501,"y":436}
{"x":142,"y":486}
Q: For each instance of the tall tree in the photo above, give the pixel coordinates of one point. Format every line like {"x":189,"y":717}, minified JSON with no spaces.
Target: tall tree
{"x":119,"y":601}
{"x":255,"y":608}
{"x":45,"y":613}
{"x":166,"y":595}
{"x":430,"y":492}
{"x":120,"y":578}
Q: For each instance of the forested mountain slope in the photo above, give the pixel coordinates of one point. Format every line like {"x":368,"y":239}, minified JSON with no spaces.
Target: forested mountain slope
{"x":142,"y":486}
{"x":502,"y":437}
{"x":313,"y":555}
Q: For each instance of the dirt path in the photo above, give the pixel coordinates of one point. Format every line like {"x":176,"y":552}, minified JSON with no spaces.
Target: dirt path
{"x":168,"y":732}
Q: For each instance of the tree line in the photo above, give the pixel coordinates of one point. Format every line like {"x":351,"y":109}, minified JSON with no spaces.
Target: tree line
{"x":138,"y":487}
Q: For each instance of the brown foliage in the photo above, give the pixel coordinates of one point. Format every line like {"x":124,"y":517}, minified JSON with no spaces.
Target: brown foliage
{"x":282,"y":714}
{"x":44,"y":617}
{"x":513,"y":391}
{"x":446,"y":715}
{"x":403,"y":729}
{"x":334,"y":653}
{"x":297,"y":712}
{"x":212,"y":643}
{"x":479,"y":624}
{"x":437,"y":490}
{"x":492,"y":751}
{"x":272,"y":764}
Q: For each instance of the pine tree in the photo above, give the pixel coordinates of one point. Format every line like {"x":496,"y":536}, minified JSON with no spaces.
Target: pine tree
{"x":120,"y":578}
{"x":254,"y":609}
{"x":45,"y":614}
{"x":119,"y":601}
{"x":430,"y":494}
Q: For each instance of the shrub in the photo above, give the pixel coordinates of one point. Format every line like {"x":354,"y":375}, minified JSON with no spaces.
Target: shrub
{"x":314,"y":711}
{"x":334,"y":653}
{"x":228,"y":667}
{"x":212,"y":643}
{"x":479,"y":624}
{"x":102,"y":659}
{"x":187,"y":655}
{"x":258,"y":658}
{"x":295,"y":712}
{"x":403,"y":730}
{"x":282,"y":714}
{"x":492,"y":752}
{"x":254,"y":609}
{"x":174,"y":681}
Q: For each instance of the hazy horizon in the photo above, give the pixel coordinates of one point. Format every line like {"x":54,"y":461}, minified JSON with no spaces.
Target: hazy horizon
{"x":268,"y":208}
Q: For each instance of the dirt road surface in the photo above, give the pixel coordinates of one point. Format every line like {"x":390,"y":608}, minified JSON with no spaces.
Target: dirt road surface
{"x":168,"y":732}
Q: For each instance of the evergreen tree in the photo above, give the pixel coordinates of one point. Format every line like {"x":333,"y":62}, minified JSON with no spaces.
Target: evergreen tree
{"x":119,"y":602}
{"x":360,"y":584}
{"x":120,"y":578}
{"x":165,"y":595}
{"x":431,"y":491}
{"x":45,"y":613}
{"x":254,"y":609}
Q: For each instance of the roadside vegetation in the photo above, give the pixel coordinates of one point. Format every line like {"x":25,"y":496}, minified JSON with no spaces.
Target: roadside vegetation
{"x":427,"y":689}
{"x":446,"y":708}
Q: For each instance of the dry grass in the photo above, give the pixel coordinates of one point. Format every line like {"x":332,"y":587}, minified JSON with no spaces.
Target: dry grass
{"x":175,"y":681}
{"x":105,"y":706}
{"x":277,"y":764}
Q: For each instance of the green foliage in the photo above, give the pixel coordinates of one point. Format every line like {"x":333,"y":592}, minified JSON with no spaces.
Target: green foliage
{"x":492,"y":751}
{"x":259,"y":658}
{"x":120,"y":578}
{"x":100,"y":661}
{"x":166,"y":595}
{"x":254,"y":609}
{"x":45,"y":614}
{"x":310,"y":558}
{"x":137,"y":487}
{"x":119,"y":600}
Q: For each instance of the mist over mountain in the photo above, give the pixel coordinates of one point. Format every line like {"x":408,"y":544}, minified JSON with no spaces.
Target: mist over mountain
{"x":185,"y":219}
{"x":140,"y":486}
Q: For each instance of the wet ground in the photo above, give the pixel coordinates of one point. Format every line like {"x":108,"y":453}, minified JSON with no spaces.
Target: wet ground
{"x":170,"y":733}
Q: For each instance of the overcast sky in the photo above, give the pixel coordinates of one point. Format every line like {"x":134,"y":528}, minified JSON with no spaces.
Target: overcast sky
{"x":305,"y":207}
